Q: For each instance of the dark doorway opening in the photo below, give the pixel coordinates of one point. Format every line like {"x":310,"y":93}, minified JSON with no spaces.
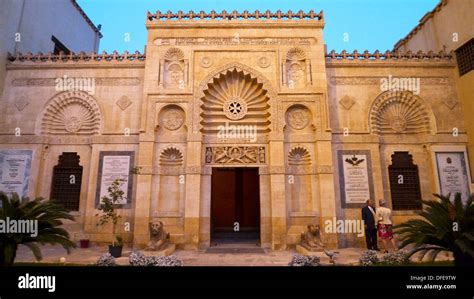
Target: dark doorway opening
{"x":235,"y":206}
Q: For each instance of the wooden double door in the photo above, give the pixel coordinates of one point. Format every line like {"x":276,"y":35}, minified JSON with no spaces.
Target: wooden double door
{"x":235,"y":201}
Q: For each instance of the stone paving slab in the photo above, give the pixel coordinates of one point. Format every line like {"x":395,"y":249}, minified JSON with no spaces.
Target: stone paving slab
{"x":89,"y":256}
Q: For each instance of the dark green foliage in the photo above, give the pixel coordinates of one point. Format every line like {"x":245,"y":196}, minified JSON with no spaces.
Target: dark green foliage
{"x":444,"y":226}
{"x":49,"y":216}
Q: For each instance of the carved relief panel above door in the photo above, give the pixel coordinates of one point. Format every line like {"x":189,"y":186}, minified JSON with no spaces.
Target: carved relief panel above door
{"x":235,"y":155}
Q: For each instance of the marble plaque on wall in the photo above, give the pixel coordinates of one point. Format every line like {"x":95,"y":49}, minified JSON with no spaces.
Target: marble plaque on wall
{"x":15,"y":167}
{"x":355,"y":177}
{"x":115,"y":165}
{"x":453,"y":174}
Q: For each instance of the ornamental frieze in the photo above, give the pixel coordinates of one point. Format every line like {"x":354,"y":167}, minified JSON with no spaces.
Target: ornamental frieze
{"x":235,"y":155}
{"x":325,"y":169}
{"x":208,"y":41}
{"x":159,"y":170}
{"x":309,"y":170}
{"x":376,"y":80}
{"x":98,"y":81}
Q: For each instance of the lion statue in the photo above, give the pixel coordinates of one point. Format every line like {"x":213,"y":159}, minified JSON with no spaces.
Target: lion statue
{"x":311,"y":238}
{"x":159,"y":238}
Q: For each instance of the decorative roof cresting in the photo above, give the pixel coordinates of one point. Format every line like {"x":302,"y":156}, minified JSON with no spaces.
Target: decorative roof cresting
{"x":245,"y":15}
{"x":388,"y":55}
{"x":81,"y":56}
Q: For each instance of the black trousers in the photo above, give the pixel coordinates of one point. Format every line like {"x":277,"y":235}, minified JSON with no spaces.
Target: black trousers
{"x":371,"y":238}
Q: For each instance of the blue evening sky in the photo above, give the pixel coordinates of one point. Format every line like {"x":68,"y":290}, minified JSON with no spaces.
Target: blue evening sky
{"x":371,"y":24}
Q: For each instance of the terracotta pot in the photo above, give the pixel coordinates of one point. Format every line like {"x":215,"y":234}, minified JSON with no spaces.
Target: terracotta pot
{"x":84,"y":243}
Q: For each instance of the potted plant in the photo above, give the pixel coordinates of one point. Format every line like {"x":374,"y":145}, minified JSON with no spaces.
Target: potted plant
{"x":115,"y":249}
{"x":84,"y":242}
{"x":49,"y":215}
{"x":109,"y":214}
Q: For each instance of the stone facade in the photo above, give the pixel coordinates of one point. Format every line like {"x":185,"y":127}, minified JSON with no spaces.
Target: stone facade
{"x":263,"y":72}
{"x":448,"y":27}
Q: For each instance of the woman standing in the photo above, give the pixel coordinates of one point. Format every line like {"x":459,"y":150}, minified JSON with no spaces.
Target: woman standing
{"x":384,"y":225}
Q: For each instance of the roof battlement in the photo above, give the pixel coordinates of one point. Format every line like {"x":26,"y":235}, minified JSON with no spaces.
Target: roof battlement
{"x":77,"y":57}
{"x":388,"y":56}
{"x":234,"y":15}
{"x":137,"y":56}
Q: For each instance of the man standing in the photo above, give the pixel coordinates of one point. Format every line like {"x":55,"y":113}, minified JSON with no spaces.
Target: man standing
{"x":368,"y":216}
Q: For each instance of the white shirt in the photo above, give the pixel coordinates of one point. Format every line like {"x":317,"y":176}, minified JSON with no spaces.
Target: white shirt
{"x":383,"y":215}
{"x":372,"y":211}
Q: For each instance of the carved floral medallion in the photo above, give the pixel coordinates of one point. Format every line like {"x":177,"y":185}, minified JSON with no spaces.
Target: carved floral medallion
{"x":73,"y":124}
{"x":298,"y":117}
{"x":173,"y":118}
{"x":235,"y":109}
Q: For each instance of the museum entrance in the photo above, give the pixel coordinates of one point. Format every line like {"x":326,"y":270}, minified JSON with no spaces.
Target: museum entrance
{"x":235,"y":207}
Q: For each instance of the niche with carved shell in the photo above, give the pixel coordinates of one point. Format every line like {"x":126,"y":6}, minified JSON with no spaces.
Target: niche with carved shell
{"x":399,"y":112}
{"x":174,"y":69}
{"x":296,"y":69}
{"x":235,"y":96}
{"x":71,"y":113}
{"x":301,"y":186}
{"x":299,"y":156}
{"x":171,"y":190}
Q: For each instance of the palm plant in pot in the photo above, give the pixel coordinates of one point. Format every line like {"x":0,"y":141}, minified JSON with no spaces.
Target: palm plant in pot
{"x":110,"y":215}
{"x":444,"y":225}
{"x":48,"y":217}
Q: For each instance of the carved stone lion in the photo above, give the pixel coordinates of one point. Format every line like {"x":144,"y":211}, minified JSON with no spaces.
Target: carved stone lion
{"x":159,"y":238}
{"x":311,"y":238}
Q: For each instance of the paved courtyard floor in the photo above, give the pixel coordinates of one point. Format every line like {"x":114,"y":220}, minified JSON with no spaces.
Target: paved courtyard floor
{"x":89,"y":256}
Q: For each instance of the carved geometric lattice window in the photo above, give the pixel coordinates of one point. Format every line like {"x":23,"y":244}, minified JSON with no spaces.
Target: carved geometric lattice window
{"x":66,"y":183}
{"x":465,"y":57}
{"x":404,"y":182}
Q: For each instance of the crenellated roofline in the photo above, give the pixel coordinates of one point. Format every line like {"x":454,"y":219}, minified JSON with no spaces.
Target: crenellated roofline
{"x":76,"y":57}
{"x":388,"y":56}
{"x":235,"y":15}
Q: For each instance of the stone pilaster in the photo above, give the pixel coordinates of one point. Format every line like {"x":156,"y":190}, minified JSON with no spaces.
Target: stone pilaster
{"x":277,"y":195}
{"x":325,"y":178}
{"x":193,"y":195}
{"x":143,"y":196}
